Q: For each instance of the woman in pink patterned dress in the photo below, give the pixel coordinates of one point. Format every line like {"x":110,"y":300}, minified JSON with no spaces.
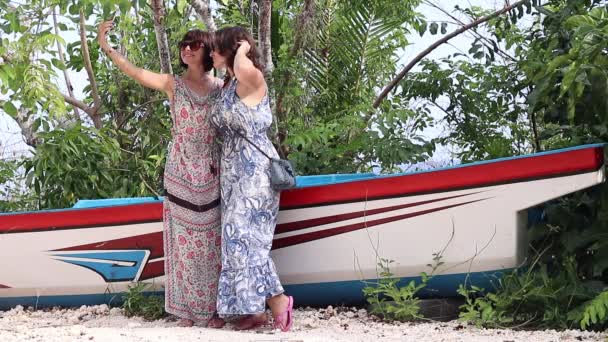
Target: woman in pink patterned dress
{"x":192,"y":229}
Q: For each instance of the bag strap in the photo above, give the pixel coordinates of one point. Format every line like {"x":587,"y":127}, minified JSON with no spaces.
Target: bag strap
{"x":275,"y":122}
{"x":252,"y":144}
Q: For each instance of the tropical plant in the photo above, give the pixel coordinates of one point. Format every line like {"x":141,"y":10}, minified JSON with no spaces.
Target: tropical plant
{"x":391,"y":300}
{"x":353,"y":53}
{"x":138,"y":303}
{"x":593,"y":312}
{"x":13,"y":192}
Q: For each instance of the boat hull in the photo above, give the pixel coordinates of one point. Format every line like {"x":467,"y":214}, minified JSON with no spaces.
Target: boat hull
{"x":329,"y":238}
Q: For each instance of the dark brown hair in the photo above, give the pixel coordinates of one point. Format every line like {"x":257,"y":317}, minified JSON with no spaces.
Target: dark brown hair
{"x":226,"y":43}
{"x":206,"y":39}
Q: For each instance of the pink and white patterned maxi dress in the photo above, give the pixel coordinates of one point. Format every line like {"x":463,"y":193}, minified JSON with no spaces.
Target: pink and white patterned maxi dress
{"x":192,"y":227}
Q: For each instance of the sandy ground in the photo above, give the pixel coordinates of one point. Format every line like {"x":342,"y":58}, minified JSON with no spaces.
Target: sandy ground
{"x":100,"y":323}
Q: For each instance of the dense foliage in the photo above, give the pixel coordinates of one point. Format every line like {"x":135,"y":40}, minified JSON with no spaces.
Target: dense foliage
{"x":547,"y":91}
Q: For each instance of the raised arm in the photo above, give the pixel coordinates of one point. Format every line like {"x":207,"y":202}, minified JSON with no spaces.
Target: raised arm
{"x":247,"y":74}
{"x":163,"y":82}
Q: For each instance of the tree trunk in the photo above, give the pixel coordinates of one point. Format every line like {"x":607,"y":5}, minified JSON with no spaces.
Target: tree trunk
{"x":92,"y":112}
{"x":26,"y":123}
{"x":264,"y":35}
{"x":158,"y":7}
{"x":202,"y":8}
{"x":305,"y":18}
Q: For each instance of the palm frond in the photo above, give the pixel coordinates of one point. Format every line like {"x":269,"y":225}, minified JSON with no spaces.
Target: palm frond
{"x":351,"y":40}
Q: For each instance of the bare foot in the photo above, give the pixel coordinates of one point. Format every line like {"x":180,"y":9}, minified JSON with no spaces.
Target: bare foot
{"x":278,"y":304}
{"x":216,"y":323}
{"x":252,"y":321}
{"x":282,"y":310}
{"x":185,"y":323}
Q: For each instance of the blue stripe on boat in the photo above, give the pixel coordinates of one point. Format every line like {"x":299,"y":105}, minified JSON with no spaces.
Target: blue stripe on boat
{"x":109,"y":272}
{"x":318,"y":294}
{"x":108,"y":202}
{"x":351,"y":292}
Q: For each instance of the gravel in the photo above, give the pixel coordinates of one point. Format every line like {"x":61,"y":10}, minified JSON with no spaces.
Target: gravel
{"x":101,"y":323}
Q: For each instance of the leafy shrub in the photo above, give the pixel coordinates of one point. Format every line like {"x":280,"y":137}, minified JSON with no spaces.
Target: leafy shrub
{"x":137,"y":303}
{"x":390,"y":301}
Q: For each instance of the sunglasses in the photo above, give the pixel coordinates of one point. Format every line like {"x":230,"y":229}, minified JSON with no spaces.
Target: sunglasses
{"x":194,"y":45}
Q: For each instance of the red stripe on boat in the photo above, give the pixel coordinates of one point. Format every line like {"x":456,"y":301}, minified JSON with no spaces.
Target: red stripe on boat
{"x":4,"y":287}
{"x":153,"y":269}
{"x":321,"y":234}
{"x":80,"y":218}
{"x":477,"y":175}
{"x":491,"y":173}
{"x":297,"y":225}
{"x":152,"y":242}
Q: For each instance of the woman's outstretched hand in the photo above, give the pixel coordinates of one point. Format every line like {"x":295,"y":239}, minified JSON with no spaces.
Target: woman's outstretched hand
{"x":102,"y":31}
{"x":149,"y":79}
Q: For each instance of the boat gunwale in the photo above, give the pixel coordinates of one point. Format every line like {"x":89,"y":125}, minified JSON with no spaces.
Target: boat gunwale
{"x":341,"y":184}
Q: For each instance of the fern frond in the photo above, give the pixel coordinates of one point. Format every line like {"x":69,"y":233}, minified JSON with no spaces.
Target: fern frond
{"x":595,"y":310}
{"x":350,"y":40}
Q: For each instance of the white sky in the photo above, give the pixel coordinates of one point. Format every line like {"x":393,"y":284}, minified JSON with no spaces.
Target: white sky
{"x":11,"y":141}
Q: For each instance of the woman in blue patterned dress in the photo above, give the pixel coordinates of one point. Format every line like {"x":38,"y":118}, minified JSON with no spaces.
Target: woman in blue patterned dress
{"x":248,"y":280}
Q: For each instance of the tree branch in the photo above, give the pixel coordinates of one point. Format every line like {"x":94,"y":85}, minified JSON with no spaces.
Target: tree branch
{"x":535,"y":137}
{"x":433,"y":46}
{"x":477,"y":34}
{"x":68,"y":83}
{"x":134,"y":111}
{"x":78,"y":104}
{"x":203,"y":9}
{"x":158,"y":8}
{"x":89,"y":68}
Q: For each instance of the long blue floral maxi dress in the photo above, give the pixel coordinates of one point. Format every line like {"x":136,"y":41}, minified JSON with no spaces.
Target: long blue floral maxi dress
{"x":192,"y":207}
{"x":249,"y":206}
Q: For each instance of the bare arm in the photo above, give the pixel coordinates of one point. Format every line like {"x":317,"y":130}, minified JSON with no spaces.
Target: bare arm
{"x":250,"y":77}
{"x":163,"y":82}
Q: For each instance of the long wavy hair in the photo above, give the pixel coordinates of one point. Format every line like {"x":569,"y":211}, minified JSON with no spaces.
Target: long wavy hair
{"x":206,"y":39}
{"x":226,"y":43}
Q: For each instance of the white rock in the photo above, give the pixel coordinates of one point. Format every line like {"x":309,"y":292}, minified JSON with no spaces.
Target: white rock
{"x":329,"y":312}
{"x":74,"y":319}
{"x":102,"y":309}
{"x":115,"y":312}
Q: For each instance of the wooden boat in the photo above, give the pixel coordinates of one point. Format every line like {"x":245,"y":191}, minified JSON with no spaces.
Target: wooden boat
{"x":331,"y":234}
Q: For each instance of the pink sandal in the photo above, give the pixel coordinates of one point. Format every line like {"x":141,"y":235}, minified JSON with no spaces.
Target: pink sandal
{"x":284,"y":320}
